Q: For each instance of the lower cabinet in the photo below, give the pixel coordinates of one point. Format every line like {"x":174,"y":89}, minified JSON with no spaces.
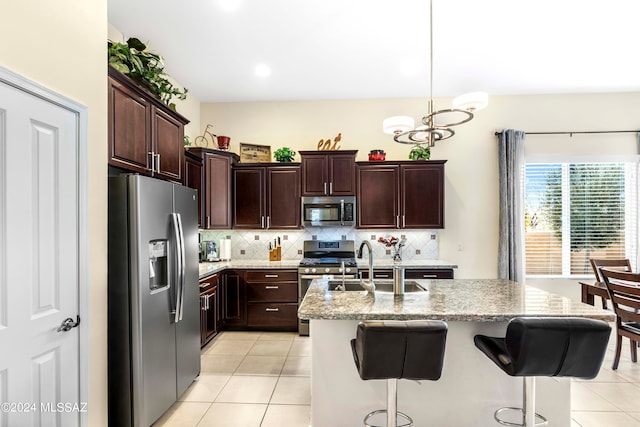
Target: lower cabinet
{"x":210,"y":308}
{"x":235,"y":299}
{"x":272,"y":299}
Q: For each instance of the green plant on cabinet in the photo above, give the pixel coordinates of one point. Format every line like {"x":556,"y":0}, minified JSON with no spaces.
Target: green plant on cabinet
{"x":284,"y":154}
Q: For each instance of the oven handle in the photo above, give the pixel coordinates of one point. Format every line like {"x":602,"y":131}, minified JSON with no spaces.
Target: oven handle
{"x":321,"y":276}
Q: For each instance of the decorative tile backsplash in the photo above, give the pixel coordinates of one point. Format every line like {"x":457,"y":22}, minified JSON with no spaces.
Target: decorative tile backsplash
{"x":253,"y":244}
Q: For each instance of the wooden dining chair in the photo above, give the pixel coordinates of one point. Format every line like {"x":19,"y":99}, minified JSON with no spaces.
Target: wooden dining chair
{"x":612,"y":264}
{"x":624,"y":290}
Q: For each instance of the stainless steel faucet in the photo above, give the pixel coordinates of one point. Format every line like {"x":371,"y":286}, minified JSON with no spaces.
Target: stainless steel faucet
{"x":369,"y":286}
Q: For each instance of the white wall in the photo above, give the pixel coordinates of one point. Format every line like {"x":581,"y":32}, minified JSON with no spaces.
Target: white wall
{"x":470,"y":237}
{"x":61,"y":45}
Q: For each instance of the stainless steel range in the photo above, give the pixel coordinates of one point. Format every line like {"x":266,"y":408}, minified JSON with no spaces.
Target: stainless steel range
{"x":324,"y":258}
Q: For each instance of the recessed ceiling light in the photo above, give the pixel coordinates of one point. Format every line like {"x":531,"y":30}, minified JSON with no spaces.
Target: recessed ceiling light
{"x":229,"y":5}
{"x":263,"y":70}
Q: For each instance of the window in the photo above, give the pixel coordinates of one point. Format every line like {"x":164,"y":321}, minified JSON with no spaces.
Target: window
{"x":577,"y":211}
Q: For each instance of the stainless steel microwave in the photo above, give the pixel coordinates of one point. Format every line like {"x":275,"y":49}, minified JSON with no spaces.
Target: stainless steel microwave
{"x":328,"y":211}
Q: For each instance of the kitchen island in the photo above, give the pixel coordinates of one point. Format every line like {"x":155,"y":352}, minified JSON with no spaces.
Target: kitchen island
{"x":471,"y":387}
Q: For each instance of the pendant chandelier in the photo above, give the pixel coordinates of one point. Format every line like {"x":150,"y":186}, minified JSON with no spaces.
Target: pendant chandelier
{"x":436,"y":124}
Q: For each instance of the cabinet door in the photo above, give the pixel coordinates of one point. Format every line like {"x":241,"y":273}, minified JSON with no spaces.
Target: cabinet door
{"x":248,"y":198}
{"x":422,"y":195}
{"x":377,"y":196}
{"x":168,"y":140}
{"x":314,"y":175}
{"x":129,"y":129}
{"x":217,"y":192}
{"x":342,"y":175}
{"x":235,"y":307}
{"x":283,"y":197}
{"x":192,"y":178}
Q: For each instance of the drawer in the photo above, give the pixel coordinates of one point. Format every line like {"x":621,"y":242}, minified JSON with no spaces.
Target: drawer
{"x":273,"y":315}
{"x":377,"y":274}
{"x":272,"y":292}
{"x":272,"y":276}
{"x":435,"y":273}
{"x":208,"y":282}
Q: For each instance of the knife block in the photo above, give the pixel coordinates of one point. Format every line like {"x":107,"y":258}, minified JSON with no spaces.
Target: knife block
{"x":275,"y":254}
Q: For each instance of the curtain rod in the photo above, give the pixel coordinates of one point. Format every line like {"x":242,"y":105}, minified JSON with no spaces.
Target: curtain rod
{"x":579,"y":132}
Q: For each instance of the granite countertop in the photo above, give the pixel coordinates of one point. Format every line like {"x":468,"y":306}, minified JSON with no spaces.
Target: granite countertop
{"x":209,"y":268}
{"x":481,"y":300}
{"x":363,"y":264}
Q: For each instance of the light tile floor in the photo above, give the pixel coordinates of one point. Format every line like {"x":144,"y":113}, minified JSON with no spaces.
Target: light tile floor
{"x":261,"y":379}
{"x":248,"y":379}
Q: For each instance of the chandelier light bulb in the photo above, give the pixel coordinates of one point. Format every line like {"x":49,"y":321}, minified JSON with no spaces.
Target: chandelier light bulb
{"x":472,"y":101}
{"x":397,"y":125}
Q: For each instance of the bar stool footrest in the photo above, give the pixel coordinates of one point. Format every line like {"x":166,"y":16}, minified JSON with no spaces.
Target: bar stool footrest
{"x":384,"y":411}
{"x":543,"y":420}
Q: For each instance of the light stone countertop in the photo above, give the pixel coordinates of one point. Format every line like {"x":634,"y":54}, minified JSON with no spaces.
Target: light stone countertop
{"x":481,"y":300}
{"x":209,"y":268}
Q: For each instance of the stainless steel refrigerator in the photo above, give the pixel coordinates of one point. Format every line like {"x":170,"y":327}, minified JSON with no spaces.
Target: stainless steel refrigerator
{"x":153,"y":306}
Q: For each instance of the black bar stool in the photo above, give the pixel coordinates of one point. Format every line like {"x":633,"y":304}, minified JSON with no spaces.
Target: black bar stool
{"x":394,"y":349}
{"x":546,"y":347}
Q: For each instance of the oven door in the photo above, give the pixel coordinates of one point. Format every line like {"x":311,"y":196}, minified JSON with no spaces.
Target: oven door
{"x":304,"y":281}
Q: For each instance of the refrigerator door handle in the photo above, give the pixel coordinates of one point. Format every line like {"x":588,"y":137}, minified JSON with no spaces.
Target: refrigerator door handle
{"x":179,"y":253}
{"x":182,"y":271}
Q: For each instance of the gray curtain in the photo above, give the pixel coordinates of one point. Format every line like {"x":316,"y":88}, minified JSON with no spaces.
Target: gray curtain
{"x":511,"y":237}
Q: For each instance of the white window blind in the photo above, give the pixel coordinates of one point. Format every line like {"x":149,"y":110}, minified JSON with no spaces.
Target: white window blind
{"x":577,"y":211}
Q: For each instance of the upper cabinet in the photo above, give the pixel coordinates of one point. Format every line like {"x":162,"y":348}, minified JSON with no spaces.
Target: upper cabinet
{"x":214,"y":185}
{"x":266,"y":197}
{"x":328,"y":173}
{"x":402,"y":194}
{"x":145,"y":135}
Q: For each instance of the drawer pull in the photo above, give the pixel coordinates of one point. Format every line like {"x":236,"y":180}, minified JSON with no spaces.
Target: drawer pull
{"x":429,"y":276}
{"x":381,"y":276}
{"x":271,"y":309}
{"x":271,"y":276}
{"x":272,"y":287}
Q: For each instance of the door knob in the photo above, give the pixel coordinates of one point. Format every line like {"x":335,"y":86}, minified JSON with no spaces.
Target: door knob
{"x":68,"y":324}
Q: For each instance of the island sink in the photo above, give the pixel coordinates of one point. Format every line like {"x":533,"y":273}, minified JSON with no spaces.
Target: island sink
{"x":381,"y":286}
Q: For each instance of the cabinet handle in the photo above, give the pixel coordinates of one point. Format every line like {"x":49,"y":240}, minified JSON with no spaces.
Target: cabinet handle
{"x":325,"y":188}
{"x":381,"y":276}
{"x":272,"y":287}
{"x":429,"y":276}
{"x":271,"y":275}
{"x":397,"y":221}
{"x":262,"y":222}
{"x":158,"y":164}
{"x":208,"y":221}
{"x":153,"y":160}
{"x":331,"y":187}
{"x":268,"y":222}
{"x":403,"y":222}
{"x":203,"y":303}
{"x":271,"y":309}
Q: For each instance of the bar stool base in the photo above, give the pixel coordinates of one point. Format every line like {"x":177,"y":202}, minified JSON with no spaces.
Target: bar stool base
{"x":384,"y":411}
{"x":543,"y":420}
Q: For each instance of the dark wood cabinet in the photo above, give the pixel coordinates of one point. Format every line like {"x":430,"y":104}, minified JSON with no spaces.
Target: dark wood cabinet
{"x":194,"y":178}
{"x":328,"y":173}
{"x":145,"y":136}
{"x":378,"y":193}
{"x":266,"y":197}
{"x":215,"y":188}
{"x":210,"y":323}
{"x":400,"y":194}
{"x":235,"y":299}
{"x":272,"y":299}
{"x":429,"y":273}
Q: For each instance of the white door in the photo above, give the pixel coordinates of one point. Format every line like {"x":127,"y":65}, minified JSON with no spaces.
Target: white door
{"x":39,"y":268}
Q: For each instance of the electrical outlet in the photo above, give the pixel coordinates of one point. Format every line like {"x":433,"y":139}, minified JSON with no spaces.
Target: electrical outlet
{"x":433,"y":237}
{"x":388,"y":252}
{"x":373,"y":237}
{"x":285,"y":237}
{"x":344,"y":237}
{"x":299,"y":251}
{"x":460,"y":247}
{"x":314,"y":237}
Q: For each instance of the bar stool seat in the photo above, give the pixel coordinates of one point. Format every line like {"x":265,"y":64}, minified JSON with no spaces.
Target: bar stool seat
{"x":393,"y":350}
{"x":546,"y":347}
